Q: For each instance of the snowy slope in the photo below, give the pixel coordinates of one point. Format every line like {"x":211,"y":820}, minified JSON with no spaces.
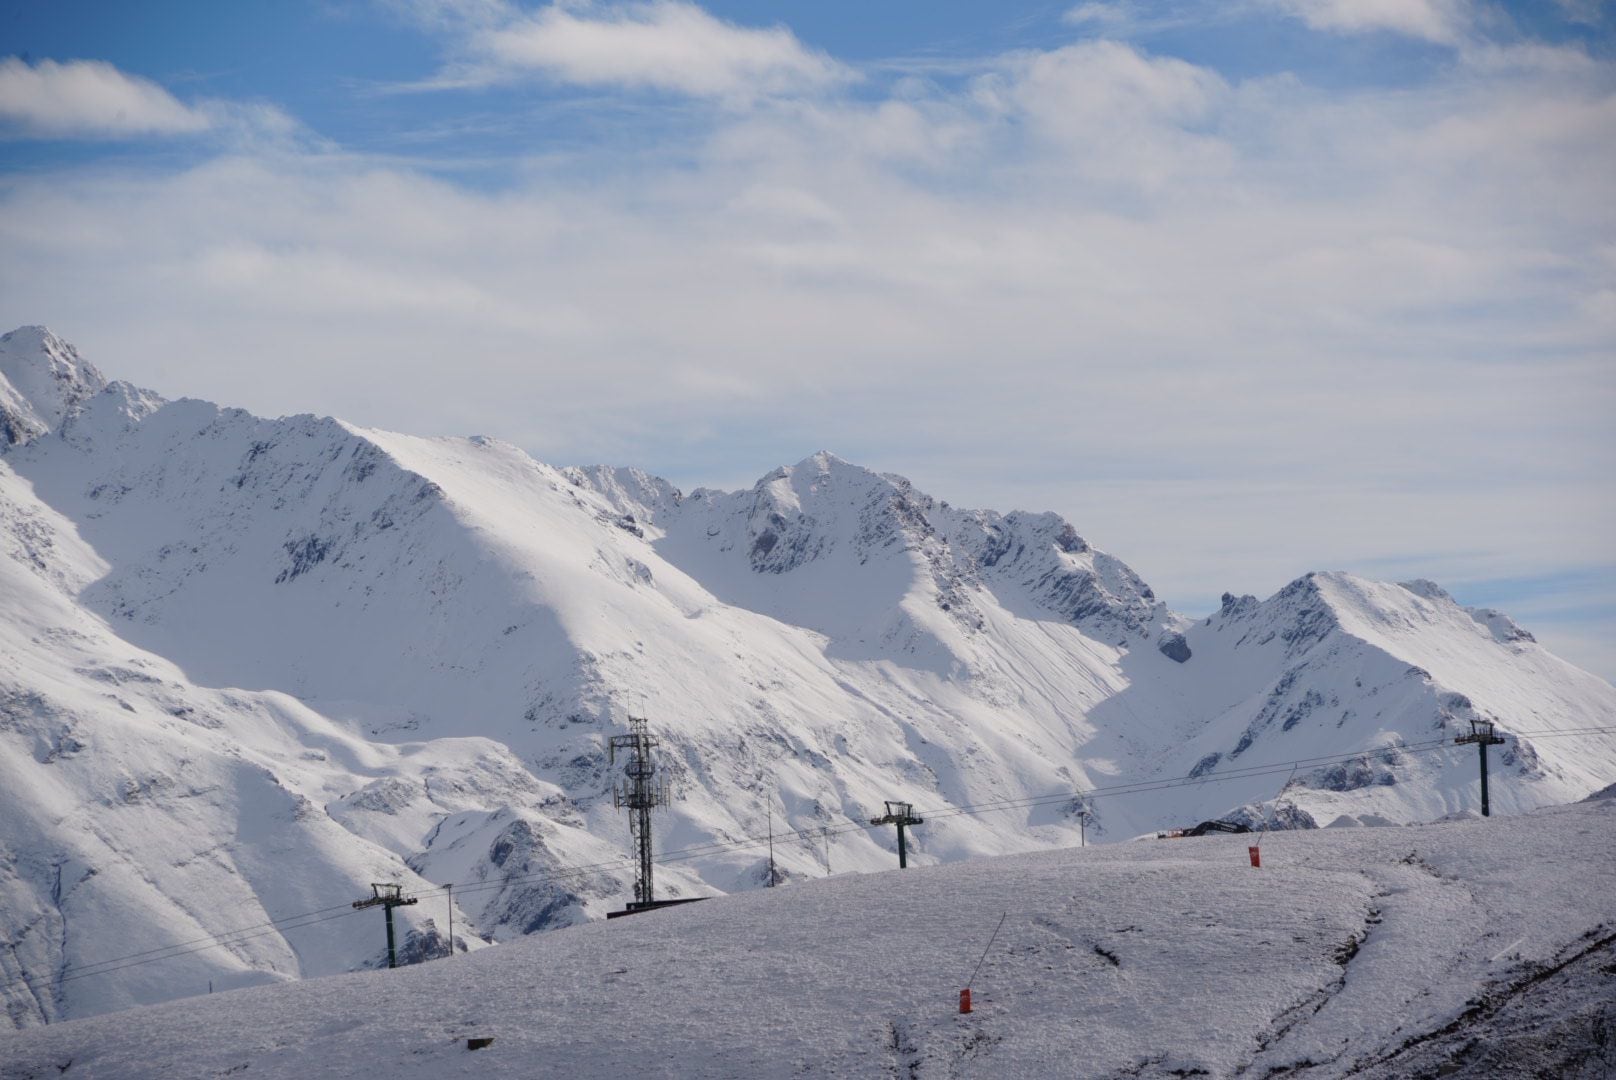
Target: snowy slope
{"x":142,"y":809}
{"x":412,"y":651}
{"x":1458,"y":949}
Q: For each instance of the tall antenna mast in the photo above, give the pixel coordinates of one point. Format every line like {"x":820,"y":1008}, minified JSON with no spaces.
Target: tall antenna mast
{"x":639,"y":792}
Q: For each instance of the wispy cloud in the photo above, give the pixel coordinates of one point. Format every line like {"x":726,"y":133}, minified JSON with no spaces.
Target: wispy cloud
{"x":90,"y":98}
{"x":662,"y":45}
{"x":1136,"y":20}
{"x":1443,"y":22}
{"x":1104,"y":13}
{"x":455,"y":15}
{"x":1585,"y":12}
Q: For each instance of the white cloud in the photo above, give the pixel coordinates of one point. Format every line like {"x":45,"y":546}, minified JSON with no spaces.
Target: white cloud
{"x":1586,"y":12}
{"x":1149,"y":115}
{"x":1445,"y":22}
{"x":452,"y":14}
{"x":1103,"y":14}
{"x":1104,"y":78}
{"x":92,"y":99}
{"x":661,"y":45}
{"x":89,"y":98}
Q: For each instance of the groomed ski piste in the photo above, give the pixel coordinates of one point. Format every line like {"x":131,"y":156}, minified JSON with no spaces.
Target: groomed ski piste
{"x":1475,"y":947}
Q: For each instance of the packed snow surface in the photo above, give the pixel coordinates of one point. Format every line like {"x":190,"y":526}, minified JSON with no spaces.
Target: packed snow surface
{"x":1471,"y":948}
{"x":251,"y":666}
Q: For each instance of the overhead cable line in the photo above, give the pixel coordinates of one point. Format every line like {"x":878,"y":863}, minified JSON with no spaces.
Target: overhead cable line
{"x":222,"y":938}
{"x":102,"y":969}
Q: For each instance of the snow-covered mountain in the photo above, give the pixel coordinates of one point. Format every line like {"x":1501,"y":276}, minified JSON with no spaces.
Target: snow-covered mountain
{"x":252,"y":665}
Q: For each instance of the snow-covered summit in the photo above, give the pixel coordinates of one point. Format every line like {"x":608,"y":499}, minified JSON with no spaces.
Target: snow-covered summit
{"x":1400,"y":664}
{"x":43,"y":380}
{"x":1501,"y":626}
{"x":824,"y":519}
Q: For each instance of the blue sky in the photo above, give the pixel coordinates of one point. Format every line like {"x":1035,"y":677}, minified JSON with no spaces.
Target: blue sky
{"x":1243,"y":289}
{"x":339,"y":68}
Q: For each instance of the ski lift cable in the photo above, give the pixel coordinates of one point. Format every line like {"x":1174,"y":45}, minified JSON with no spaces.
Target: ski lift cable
{"x":224,"y":937}
{"x":101,"y":969}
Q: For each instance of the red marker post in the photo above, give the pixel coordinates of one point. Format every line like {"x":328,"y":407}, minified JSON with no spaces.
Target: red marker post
{"x":965,"y":994}
{"x":1255,"y":850}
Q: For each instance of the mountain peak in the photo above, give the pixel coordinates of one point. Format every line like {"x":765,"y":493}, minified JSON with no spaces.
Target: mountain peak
{"x":43,"y":380}
{"x":823,"y":461}
{"x":1426,"y":588}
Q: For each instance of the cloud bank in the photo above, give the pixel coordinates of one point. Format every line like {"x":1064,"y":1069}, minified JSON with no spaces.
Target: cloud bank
{"x":1235,"y":329}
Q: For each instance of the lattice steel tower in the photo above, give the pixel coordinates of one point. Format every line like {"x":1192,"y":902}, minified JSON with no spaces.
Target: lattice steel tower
{"x":639,"y":791}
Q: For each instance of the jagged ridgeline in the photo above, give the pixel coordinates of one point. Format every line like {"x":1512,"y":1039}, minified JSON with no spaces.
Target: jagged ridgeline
{"x":253,"y":665}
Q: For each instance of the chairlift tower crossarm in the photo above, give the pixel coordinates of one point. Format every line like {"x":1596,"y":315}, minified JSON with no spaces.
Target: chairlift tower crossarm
{"x":387,"y":896}
{"x":1482,"y":734}
{"x":902,"y":815}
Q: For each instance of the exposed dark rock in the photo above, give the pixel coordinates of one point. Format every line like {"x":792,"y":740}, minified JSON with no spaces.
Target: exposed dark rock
{"x":1237,"y":605}
{"x":1282,"y":817}
{"x":517,"y":837}
{"x":1301,"y":709}
{"x":1071,"y":543}
{"x":1352,"y":775}
{"x":1174,"y":647}
{"x":306,"y":553}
